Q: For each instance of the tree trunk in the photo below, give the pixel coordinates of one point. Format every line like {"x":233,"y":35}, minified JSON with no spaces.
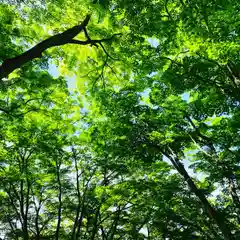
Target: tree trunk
{"x":212,"y":213}
{"x":60,"y":201}
{"x":79,"y":207}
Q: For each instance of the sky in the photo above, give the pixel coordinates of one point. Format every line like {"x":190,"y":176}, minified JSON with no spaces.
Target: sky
{"x":153,"y":42}
{"x":71,"y":81}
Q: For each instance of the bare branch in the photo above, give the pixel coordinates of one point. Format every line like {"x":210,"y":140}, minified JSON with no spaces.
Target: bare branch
{"x":86,"y":34}
{"x":92,"y":42}
{"x":101,"y":75}
{"x":106,"y":51}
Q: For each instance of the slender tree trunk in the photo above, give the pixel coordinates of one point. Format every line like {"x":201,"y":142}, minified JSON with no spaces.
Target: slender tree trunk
{"x":210,"y":210}
{"x":103,"y":233}
{"x":95,"y":227}
{"x":25,"y":228}
{"x":22,"y":200}
{"x":79,"y":221}
{"x":60,"y":202}
{"x":24,"y":216}
{"x":26,"y":208}
{"x":37,"y":225}
{"x":78,"y":195}
{"x":83,"y":206}
{"x":76,"y":222}
{"x":112,"y":231}
{"x":212,"y":213}
{"x":37,"y":209}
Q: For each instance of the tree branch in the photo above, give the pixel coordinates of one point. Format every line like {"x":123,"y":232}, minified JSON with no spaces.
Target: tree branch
{"x":9,"y":65}
{"x":106,"y":51}
{"x":93,"y":42}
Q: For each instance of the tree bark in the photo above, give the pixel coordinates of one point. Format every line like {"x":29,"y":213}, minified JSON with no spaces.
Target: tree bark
{"x":59,"y":200}
{"x":212,"y":213}
{"x":37,"y":225}
{"x":66,"y":37}
{"x":82,"y":205}
{"x":9,"y":65}
{"x":24,"y":202}
{"x":95,"y":227}
{"x":79,"y":197}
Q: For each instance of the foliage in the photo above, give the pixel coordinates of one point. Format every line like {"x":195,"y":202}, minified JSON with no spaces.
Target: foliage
{"x":147,"y":144}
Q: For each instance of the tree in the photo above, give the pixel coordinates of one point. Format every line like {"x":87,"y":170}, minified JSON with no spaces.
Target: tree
{"x":147,"y":145}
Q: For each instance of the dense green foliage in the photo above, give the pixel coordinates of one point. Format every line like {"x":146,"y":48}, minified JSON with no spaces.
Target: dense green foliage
{"x":146,"y":145}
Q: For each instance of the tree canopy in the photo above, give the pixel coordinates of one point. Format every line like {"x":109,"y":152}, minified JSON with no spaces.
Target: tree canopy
{"x":119,"y":119}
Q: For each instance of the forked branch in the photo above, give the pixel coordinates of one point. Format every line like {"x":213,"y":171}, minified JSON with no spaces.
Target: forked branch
{"x":66,"y":37}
